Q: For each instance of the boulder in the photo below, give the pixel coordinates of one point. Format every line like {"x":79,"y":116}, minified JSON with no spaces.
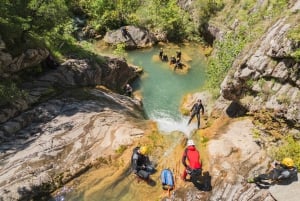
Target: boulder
{"x":136,"y":38}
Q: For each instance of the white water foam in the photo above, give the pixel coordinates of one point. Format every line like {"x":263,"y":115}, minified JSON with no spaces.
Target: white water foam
{"x":169,"y":122}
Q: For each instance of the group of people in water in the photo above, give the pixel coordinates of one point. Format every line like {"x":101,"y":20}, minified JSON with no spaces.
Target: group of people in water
{"x":176,"y":61}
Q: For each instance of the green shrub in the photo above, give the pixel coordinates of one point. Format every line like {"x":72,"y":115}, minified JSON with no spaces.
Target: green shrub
{"x":121,"y":149}
{"x":227,"y":50}
{"x":9,"y":91}
{"x":290,"y":148}
{"x":120,"y":50}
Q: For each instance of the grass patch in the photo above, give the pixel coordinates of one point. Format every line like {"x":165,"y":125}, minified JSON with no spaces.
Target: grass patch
{"x":289,"y":148}
{"x":121,"y":149}
{"x":9,"y":91}
{"x":255,"y":133}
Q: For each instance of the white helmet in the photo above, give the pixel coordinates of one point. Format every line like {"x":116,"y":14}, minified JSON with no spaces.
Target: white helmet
{"x":190,"y":143}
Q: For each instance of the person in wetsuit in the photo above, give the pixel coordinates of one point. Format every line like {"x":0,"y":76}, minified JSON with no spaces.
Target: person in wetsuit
{"x":195,"y":111}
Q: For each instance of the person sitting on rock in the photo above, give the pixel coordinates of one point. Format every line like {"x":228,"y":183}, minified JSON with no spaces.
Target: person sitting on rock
{"x":128,"y":90}
{"x":165,"y":58}
{"x":140,"y":163}
{"x":280,"y":171}
{"x":178,"y":64}
{"x":172,"y":60}
{"x":192,"y":155}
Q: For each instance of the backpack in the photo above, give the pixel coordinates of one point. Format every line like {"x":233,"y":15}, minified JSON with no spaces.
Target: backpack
{"x":167,"y":179}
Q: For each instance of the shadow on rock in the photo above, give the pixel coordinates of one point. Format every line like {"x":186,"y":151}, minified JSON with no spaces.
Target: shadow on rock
{"x":203,"y":182}
{"x":235,"y":110}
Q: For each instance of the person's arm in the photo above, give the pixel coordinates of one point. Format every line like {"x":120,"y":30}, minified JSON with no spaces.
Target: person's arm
{"x":134,"y":162}
{"x":202,"y":108}
{"x":193,"y":107}
{"x":183,"y":159}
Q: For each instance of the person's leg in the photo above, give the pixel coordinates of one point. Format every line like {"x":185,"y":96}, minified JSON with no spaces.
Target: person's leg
{"x":184,"y":174}
{"x":150,"y":169}
{"x":198,"y":120}
{"x":261,"y":177}
{"x":143,"y":174}
{"x":192,"y":116}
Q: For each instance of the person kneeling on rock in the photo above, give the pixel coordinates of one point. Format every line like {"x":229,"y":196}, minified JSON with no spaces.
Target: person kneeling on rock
{"x":140,"y":163}
{"x":283,"y":170}
{"x":128,"y":90}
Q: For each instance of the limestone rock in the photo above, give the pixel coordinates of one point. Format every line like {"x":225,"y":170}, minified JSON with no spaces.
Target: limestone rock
{"x":65,"y":137}
{"x":113,"y":73}
{"x":286,"y":191}
{"x":137,"y":38}
{"x":234,"y":156}
{"x":262,"y":67}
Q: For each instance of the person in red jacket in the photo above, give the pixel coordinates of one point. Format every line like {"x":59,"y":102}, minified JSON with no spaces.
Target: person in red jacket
{"x":191,"y":154}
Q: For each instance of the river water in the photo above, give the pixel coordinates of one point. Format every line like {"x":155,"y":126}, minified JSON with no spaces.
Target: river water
{"x":162,"y":91}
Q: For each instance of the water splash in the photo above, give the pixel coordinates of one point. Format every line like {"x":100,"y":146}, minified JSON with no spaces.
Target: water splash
{"x":168,"y":123}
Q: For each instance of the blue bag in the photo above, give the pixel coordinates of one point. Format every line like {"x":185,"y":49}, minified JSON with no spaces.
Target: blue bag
{"x":167,"y":179}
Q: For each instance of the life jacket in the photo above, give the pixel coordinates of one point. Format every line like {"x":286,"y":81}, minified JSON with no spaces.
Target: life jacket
{"x":193,"y":156}
{"x":167,"y":179}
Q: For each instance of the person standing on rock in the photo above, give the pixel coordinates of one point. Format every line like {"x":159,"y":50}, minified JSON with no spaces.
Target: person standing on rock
{"x":283,"y":170}
{"x":125,"y":32}
{"x":196,"y":111}
{"x":191,"y":154}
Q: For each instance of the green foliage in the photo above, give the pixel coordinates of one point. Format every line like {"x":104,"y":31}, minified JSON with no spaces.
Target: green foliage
{"x":249,"y":83}
{"x":120,"y":50}
{"x":109,"y":14}
{"x":296,"y":55}
{"x":276,"y":7}
{"x":228,"y":49}
{"x":22,"y":20}
{"x":294,"y":35}
{"x":290,"y":148}
{"x":121,"y":149}
{"x":208,"y":8}
{"x":256,"y":133}
{"x":9,"y":91}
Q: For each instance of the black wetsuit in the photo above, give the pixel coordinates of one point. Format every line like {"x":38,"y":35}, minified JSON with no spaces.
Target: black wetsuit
{"x":196,"y":111}
{"x":278,"y":173}
{"x":141,"y":164}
